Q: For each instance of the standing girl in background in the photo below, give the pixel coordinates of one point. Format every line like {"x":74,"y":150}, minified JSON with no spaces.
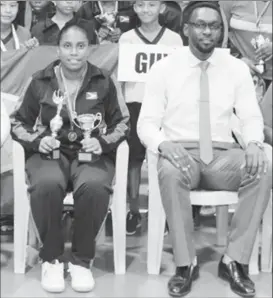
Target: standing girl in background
{"x":13,"y":36}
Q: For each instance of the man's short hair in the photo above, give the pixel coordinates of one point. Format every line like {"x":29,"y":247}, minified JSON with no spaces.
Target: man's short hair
{"x":189,"y":9}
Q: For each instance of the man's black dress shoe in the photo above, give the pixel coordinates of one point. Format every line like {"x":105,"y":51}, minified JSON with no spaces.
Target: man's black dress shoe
{"x":239,"y":281}
{"x":180,"y":284}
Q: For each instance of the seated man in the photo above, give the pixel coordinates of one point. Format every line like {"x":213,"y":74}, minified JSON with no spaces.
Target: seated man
{"x":186,"y":118}
{"x":55,"y":99}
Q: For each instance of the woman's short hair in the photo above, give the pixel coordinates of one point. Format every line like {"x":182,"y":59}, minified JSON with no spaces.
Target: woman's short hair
{"x":85,"y":26}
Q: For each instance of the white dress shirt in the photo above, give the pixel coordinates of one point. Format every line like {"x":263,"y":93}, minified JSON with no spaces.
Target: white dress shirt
{"x":170,"y":109}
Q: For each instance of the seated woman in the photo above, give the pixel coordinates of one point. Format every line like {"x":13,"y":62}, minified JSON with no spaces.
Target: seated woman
{"x":85,"y":89}
{"x":13,"y":36}
{"x":47,"y":30}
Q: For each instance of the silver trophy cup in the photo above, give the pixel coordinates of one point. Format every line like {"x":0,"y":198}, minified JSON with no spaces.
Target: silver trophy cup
{"x":88,"y":123}
{"x":57,"y":122}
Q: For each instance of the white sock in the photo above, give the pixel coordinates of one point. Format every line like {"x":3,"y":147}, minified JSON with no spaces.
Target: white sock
{"x":227,"y":259}
{"x":194,"y":262}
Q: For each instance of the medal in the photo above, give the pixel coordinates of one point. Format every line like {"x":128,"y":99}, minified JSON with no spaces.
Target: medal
{"x":72,"y":136}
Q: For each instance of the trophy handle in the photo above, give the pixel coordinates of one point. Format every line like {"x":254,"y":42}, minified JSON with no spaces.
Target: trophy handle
{"x":98,"y":118}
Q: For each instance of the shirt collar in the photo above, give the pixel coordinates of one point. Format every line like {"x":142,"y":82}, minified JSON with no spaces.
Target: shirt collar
{"x":194,"y":61}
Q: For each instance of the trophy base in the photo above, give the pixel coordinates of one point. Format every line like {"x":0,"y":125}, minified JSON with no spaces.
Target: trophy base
{"x":55,"y":154}
{"x":86,"y":157}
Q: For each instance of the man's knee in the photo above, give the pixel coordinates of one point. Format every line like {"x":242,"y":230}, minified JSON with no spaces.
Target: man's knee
{"x":166,"y":169}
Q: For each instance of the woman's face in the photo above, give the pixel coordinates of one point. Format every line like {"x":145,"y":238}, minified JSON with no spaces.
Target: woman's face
{"x":9,"y":10}
{"x":74,"y":49}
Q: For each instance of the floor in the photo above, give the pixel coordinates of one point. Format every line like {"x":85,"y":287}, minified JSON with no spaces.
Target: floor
{"x":136,"y":282}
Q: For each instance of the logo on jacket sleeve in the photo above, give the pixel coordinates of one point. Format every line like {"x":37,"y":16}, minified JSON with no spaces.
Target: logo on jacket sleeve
{"x":91,"y":95}
{"x":124,"y":19}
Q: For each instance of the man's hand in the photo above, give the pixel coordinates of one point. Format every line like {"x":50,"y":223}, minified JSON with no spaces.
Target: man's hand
{"x":48,"y":144}
{"x":253,"y":69}
{"x":176,"y":154}
{"x":256,"y":161}
{"x":92,"y":145}
{"x":264,"y":52}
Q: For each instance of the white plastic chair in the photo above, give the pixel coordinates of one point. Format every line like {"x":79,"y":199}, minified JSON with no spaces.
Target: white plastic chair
{"x":156,"y":219}
{"x":266,"y":256}
{"x":22,"y":209}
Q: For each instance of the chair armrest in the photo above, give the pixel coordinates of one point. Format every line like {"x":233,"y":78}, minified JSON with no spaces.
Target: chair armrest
{"x":18,"y":157}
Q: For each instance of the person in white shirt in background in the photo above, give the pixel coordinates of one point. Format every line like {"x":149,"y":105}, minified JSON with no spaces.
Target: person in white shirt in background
{"x":13,"y":36}
{"x":193,"y":89}
{"x":5,"y":124}
{"x":6,"y":219}
{"x":5,"y":131}
{"x":149,"y":32}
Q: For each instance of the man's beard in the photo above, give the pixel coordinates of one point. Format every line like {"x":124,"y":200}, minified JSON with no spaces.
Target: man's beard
{"x":204,"y":49}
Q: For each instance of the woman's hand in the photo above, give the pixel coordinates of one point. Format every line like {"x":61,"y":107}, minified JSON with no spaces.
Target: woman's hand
{"x":48,"y":144}
{"x":92,"y":145}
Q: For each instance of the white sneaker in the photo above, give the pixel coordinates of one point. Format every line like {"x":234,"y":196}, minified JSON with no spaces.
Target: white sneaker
{"x":53,"y":277}
{"x":81,"y":278}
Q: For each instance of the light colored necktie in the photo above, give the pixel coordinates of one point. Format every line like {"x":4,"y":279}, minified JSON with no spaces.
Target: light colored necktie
{"x":206,"y":151}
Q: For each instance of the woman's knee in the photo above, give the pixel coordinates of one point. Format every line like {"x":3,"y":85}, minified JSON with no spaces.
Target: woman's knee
{"x":48,"y":185}
{"x":94,"y":188}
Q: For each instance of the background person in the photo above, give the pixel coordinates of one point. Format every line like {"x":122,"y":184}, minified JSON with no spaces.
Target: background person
{"x":247,"y":20}
{"x":149,"y":32}
{"x":13,"y":36}
{"x":47,"y":31}
{"x":33,"y":11}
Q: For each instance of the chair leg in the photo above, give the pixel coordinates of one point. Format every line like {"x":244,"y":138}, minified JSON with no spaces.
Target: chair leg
{"x":266,"y":260}
{"x":156,"y":221}
{"x":221,"y":225}
{"x":254,"y":260}
{"x":119,"y":209}
{"x":21,"y":221}
{"x":119,"y":233}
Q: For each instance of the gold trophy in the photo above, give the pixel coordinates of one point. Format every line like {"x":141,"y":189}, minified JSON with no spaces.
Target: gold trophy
{"x":88,"y":123}
{"x":57,"y":122}
{"x":257,"y":42}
